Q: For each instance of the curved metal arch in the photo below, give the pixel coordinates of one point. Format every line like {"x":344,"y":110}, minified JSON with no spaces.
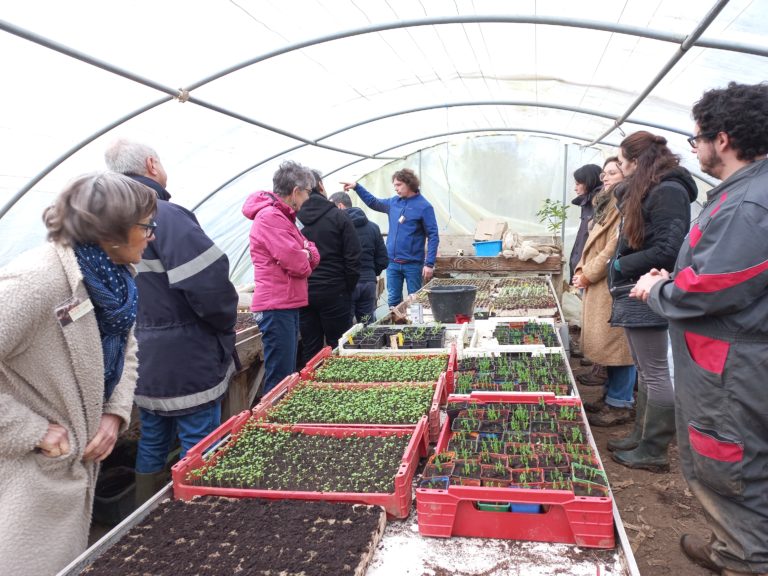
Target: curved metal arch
{"x":481,"y":19}
{"x":436,"y":107}
{"x":490,"y":131}
{"x":476,"y":19}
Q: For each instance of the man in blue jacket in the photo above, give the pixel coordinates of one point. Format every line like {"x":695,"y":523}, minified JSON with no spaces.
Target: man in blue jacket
{"x":373,"y":258}
{"x":185,"y":325}
{"x":411,"y":223}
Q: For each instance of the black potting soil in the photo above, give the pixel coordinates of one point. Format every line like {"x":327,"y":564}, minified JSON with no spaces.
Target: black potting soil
{"x":218,"y":536}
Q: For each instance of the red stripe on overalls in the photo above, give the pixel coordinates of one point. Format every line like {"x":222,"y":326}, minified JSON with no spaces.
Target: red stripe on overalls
{"x":695,"y":234}
{"x":689,"y":281}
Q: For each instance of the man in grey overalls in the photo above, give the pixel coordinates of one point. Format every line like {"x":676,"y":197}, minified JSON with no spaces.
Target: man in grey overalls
{"x":717,"y":305}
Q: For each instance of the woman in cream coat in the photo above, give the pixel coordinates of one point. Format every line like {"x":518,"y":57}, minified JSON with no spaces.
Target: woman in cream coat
{"x":67,"y":367}
{"x":600,"y":342}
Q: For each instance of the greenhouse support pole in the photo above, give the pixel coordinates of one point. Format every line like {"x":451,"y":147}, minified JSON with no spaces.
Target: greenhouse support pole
{"x":565,"y":193}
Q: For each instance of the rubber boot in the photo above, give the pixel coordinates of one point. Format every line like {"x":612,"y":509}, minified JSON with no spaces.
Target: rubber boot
{"x":651,"y":452}
{"x":147,"y":485}
{"x":630,"y":442}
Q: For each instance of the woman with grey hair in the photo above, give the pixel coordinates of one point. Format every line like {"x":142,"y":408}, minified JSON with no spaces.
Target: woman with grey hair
{"x":282,"y":259}
{"x":68,"y":359}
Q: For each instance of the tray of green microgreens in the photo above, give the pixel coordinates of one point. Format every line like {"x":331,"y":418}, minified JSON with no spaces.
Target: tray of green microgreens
{"x":247,"y":458}
{"x":296,"y":401}
{"x":361,"y":368}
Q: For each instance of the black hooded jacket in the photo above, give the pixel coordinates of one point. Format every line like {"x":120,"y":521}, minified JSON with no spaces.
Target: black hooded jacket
{"x":666,"y":218}
{"x":334,"y":235}
{"x":374,"y":257}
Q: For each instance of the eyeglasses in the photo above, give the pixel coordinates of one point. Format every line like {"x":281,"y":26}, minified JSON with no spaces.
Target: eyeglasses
{"x":693,"y":140}
{"x":604,"y":175}
{"x":149,"y":229}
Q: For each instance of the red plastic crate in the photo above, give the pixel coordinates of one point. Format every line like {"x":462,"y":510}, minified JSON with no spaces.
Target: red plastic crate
{"x":274,"y":396}
{"x":567,"y":518}
{"x":397,"y":504}
{"x":307,"y":373}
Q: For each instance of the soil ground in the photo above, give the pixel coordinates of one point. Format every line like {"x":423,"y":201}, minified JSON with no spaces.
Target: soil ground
{"x":656,"y":509}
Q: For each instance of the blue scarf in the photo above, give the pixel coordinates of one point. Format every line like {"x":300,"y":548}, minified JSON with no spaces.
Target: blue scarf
{"x":112,"y":290}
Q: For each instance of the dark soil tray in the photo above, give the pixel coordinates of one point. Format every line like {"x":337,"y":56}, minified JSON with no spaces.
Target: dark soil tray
{"x":214,"y":536}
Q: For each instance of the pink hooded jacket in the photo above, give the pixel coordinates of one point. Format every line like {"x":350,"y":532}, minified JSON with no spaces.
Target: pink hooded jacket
{"x":280,"y":265}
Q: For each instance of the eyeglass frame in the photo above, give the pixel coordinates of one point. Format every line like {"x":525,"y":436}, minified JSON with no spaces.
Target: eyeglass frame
{"x":693,"y":141}
{"x":602,"y":174}
{"x":149,"y":228}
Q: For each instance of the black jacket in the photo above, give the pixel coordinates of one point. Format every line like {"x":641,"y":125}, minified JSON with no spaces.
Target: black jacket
{"x":587,"y":211}
{"x":335,"y":238}
{"x":667,"y":218}
{"x":185,"y":326}
{"x":374,"y":257}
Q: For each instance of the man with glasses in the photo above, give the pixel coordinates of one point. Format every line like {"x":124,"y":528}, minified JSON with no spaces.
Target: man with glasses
{"x":185,"y":325}
{"x":717,"y":305}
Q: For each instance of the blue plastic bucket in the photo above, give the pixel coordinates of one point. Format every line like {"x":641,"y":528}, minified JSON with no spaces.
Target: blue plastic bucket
{"x":488,"y":248}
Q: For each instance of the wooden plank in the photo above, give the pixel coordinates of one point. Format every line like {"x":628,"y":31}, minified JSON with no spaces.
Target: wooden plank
{"x":449,"y":264}
{"x":376,"y":536}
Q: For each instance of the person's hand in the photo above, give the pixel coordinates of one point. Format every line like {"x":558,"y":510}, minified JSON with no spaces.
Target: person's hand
{"x":642,"y":289}
{"x":102,"y":444}
{"x":308,"y":253}
{"x":580,"y":281}
{"x":427,"y":272}
{"x":348,"y":185}
{"x":55,"y":443}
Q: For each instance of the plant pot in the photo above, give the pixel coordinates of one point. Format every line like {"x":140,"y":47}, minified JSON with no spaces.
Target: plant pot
{"x":545,"y":438}
{"x":466,"y":468}
{"x":522,"y":476}
{"x":589,"y":489}
{"x":434,"y":483}
{"x":465,"y":425}
{"x":517,"y":436}
{"x":522,"y":461}
{"x":549,"y":426}
{"x":490,"y":472}
{"x":491,"y":427}
{"x":448,"y":302}
{"x":114,"y":496}
{"x":582,"y":473}
{"x":437,"y":470}
{"x":494,"y":506}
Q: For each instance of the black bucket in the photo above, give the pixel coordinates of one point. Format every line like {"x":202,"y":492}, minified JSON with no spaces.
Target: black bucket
{"x":448,"y":302}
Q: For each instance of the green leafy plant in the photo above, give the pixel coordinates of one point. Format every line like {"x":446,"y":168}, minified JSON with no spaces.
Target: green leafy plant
{"x":554,"y":213}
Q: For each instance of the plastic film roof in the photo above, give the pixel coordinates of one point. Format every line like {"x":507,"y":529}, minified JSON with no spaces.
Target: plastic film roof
{"x":225,"y":90}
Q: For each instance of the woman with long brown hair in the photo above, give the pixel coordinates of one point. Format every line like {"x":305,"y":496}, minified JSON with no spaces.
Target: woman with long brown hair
{"x":600,"y":342}
{"x":655,"y":205}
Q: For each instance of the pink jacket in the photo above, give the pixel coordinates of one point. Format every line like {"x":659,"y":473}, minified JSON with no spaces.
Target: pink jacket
{"x":280,"y":265}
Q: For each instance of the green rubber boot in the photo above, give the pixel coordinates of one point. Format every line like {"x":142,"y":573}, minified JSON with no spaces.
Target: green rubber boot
{"x":651,"y":452}
{"x":630,"y":442}
{"x":147,"y":485}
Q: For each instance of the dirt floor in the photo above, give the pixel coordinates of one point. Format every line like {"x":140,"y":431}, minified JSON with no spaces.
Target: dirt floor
{"x":655,"y":508}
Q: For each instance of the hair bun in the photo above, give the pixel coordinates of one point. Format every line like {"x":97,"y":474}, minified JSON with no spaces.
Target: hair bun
{"x":660,"y":140}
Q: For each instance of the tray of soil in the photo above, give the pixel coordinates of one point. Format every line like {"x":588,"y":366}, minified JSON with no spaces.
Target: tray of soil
{"x":246,"y":458}
{"x":380,"y":404}
{"x":529,"y":296}
{"x":377,"y":368}
{"x":513,"y":372}
{"x":422,"y":338}
{"x":547,"y":493}
{"x":211,"y":535}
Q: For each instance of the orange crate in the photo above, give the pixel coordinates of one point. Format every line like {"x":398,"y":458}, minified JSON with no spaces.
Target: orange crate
{"x":274,"y":396}
{"x":397,"y":504}
{"x":562,"y":516}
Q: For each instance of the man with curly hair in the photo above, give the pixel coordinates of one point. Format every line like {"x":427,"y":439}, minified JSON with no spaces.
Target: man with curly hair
{"x":716,"y":302}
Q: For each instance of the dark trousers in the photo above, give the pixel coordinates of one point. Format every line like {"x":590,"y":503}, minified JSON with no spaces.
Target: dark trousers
{"x":324,"y":321}
{"x":364,"y":302}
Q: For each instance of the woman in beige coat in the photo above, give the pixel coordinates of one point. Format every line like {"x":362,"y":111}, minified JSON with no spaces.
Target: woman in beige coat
{"x":67,"y":367}
{"x":600,"y":342}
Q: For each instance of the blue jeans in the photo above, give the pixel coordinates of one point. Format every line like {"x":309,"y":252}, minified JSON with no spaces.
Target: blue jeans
{"x":158,"y":434}
{"x":620,"y":386}
{"x":396,"y":273}
{"x":280,"y":337}
{"x":364,"y":302}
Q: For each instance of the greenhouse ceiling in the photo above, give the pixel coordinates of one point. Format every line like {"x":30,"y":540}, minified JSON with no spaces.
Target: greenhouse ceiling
{"x":225,"y":90}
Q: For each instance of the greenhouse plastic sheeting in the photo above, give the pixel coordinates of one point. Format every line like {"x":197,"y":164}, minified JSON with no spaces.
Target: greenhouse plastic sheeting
{"x":494,"y":103}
